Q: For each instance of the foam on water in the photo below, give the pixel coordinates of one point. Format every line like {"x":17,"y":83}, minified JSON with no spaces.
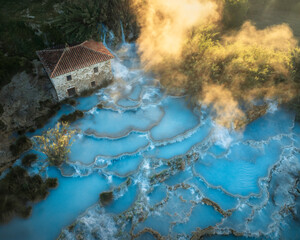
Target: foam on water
{"x":125,"y":165}
{"x":112,"y":124}
{"x":87,"y":148}
{"x":95,"y":223}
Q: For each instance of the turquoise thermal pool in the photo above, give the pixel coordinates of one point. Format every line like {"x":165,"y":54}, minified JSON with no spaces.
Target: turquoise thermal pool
{"x":171,"y":169}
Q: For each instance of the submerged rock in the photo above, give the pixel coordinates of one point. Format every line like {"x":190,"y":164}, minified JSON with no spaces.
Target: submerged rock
{"x":177,"y":163}
{"x":160,"y":177}
{"x":216,"y":207}
{"x":106,"y":198}
{"x":200,"y":233}
{"x":151,"y":231}
{"x":100,"y":105}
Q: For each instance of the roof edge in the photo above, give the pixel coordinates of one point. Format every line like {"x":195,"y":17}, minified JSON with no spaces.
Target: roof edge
{"x":112,"y":56}
{"x":51,"y":76}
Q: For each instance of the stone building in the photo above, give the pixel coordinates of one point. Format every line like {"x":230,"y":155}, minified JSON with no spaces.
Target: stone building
{"x":77,"y":68}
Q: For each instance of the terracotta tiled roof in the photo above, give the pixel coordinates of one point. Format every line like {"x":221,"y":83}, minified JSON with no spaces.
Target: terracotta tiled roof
{"x":65,"y":60}
{"x":97,"y":47}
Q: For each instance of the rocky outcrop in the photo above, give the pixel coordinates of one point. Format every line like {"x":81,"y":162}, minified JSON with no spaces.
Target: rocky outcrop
{"x":106,"y":198}
{"x":154,"y":233}
{"x":200,"y":233}
{"x":25,"y":100}
{"x":216,"y":207}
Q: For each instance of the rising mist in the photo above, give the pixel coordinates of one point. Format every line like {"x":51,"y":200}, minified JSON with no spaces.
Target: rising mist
{"x":187,"y":44}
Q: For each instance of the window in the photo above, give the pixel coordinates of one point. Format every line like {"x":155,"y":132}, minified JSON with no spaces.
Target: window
{"x":95,"y":69}
{"x":93,"y":83}
{"x":69,"y":78}
{"x":71,"y":92}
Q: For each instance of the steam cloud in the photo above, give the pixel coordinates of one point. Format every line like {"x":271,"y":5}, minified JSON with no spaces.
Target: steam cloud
{"x":165,"y":24}
{"x":165,"y":27}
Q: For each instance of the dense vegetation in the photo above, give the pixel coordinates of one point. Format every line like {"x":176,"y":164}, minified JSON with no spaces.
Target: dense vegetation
{"x":9,"y":66}
{"x":89,"y":19}
{"x":22,"y":144}
{"x":18,"y":190}
{"x":234,"y":64}
{"x":234,"y":13}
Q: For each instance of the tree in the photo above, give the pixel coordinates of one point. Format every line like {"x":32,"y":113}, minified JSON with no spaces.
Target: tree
{"x":80,"y":20}
{"x":55,"y":143}
{"x":234,"y":13}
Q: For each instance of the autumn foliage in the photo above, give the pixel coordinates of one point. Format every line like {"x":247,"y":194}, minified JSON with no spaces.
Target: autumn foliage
{"x":55,"y":143}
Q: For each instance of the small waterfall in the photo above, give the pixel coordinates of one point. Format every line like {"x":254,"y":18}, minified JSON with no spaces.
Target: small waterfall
{"x":122,"y":30}
{"x":104,"y":39}
{"x":46,"y":40}
{"x":103,"y":30}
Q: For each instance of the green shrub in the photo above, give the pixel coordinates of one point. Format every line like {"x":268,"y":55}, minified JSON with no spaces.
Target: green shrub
{"x":70,"y":101}
{"x":22,"y":144}
{"x":29,"y":159}
{"x":18,"y":189}
{"x":72,"y":117}
{"x":234,"y":13}
{"x":106,"y":198}
{"x":51,"y":182}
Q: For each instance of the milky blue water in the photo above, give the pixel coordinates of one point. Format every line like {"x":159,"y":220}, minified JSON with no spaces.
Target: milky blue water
{"x":162,"y":160}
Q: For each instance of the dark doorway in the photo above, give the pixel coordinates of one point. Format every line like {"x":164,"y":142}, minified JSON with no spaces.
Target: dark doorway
{"x":93,"y":84}
{"x":71,"y":92}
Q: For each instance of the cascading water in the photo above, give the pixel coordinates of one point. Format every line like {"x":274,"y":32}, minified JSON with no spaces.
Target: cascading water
{"x":122,"y":31}
{"x":172,"y":170}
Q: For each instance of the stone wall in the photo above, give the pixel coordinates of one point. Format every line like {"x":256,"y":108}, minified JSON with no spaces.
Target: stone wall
{"x":82,"y":78}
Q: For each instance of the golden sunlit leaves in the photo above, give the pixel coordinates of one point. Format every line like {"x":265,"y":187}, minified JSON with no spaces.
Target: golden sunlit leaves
{"x":55,"y":143}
